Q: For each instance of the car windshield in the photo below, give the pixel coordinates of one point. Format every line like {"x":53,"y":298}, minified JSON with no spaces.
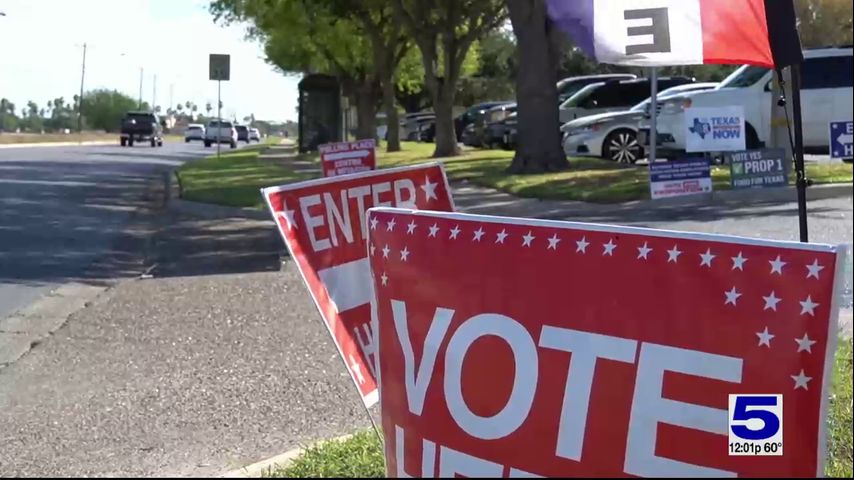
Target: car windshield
{"x":745,"y":76}
{"x":581,"y":95}
{"x":241,"y":128}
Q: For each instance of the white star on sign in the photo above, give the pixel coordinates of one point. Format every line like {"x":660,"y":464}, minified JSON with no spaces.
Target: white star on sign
{"x":738,"y":262}
{"x":385,"y":251}
{"x":553,"y":241}
{"x":454,"y":232}
{"x":527,"y":239}
{"x":777,"y":265}
{"x":673,"y":254}
{"x":771,"y":302}
{"x":732,"y":296}
{"x":410,"y":228}
{"x":404,"y":254}
{"x":434,"y":230}
{"x":390,"y":225}
{"x":814,"y":269}
{"x":707,"y":258}
{"x":373,"y":249}
{"x":499,"y":238}
{"x":429,"y":189}
{"x":582,"y":245}
{"x":608,"y":248}
{"x":477,"y":234}
{"x":765,"y":338}
{"x":801,"y":380}
{"x":643,"y":252}
{"x":805,"y":343}
{"x":289,"y":218}
{"x":374,"y":223}
{"x":357,"y":370}
{"x":384,"y":278}
{"x":808,"y":306}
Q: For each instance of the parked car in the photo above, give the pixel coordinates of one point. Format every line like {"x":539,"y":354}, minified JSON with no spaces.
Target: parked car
{"x":568,"y":86}
{"x":194,"y":131}
{"x":242,"y":133}
{"x":472,"y":114}
{"x":612,"y":96}
{"x":409,"y":125}
{"x":613,"y":135}
{"x":508,"y":142}
{"x":220,"y":132}
{"x":469,"y":137}
{"x":254,"y":135}
{"x":491,"y":127}
{"x":826,"y":96}
{"x":141,"y":127}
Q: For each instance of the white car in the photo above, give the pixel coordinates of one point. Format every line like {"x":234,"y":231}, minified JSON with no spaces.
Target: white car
{"x":826,"y":96}
{"x":254,"y":135}
{"x":220,"y":132}
{"x":194,"y":131}
{"x":614,"y":135}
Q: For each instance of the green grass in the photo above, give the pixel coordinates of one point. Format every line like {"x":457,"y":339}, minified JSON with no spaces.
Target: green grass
{"x":361,"y":455}
{"x":236,"y":177}
{"x":16,"y":138}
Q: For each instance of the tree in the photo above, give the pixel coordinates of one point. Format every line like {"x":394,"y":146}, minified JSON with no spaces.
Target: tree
{"x":105,"y":108}
{"x":823,"y":23}
{"x":208,"y":108}
{"x":8,"y":119}
{"x":444,"y":32}
{"x":538,"y":45}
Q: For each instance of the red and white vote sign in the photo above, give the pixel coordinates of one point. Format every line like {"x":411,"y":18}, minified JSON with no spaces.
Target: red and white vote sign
{"x":344,"y":158}
{"x":511,"y":348}
{"x":324,"y":227}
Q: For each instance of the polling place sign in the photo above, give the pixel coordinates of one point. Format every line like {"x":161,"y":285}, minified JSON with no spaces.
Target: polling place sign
{"x":841,"y":140}
{"x":680,"y":177}
{"x":758,"y":168}
{"x":344,"y":158}
{"x":325,"y":230}
{"x":714,"y":129}
{"x":503,"y":351}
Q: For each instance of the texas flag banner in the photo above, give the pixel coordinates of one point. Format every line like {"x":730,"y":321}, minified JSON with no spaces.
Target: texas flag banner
{"x":523,"y":348}
{"x":681,"y":32}
{"x":324,"y":228}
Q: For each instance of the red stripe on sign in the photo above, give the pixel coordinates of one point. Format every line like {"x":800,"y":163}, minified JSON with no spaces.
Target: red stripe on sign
{"x":735,"y":32}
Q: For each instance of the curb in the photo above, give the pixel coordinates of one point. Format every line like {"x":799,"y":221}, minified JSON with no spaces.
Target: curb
{"x":283,"y":460}
{"x":56,"y":144}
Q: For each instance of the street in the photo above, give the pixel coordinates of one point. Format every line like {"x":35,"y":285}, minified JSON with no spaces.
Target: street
{"x":63,"y":207}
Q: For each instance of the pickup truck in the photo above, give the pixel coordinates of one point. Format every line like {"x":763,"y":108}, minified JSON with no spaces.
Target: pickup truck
{"x":220,"y":132}
{"x":141,"y":127}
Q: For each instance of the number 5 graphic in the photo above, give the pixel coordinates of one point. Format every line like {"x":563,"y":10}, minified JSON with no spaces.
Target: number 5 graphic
{"x":743,"y":413}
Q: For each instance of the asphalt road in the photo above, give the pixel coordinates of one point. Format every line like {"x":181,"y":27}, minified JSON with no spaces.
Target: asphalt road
{"x":63,"y":207}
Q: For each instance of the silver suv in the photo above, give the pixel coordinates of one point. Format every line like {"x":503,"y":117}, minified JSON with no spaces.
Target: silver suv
{"x":220,"y":132}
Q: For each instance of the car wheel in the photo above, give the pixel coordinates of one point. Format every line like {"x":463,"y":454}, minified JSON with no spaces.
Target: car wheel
{"x":207,"y":144}
{"x":130,"y":142}
{"x":186,"y":140}
{"x":233,"y":145}
{"x":622,"y":146}
{"x":751,"y":139}
{"x":123,"y":141}
{"x":153,"y":143}
{"x":160,"y":143}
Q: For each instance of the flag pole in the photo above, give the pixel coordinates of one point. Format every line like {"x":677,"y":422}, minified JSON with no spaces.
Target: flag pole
{"x":801,"y":181}
{"x":653,"y":115}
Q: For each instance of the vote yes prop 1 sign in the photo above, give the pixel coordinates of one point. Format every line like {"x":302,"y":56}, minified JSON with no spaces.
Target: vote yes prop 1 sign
{"x":519,"y":348}
{"x":343,"y":158}
{"x":324,"y":227}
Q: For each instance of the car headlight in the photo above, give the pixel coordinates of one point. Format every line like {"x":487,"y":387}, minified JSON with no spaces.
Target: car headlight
{"x":676,"y":104}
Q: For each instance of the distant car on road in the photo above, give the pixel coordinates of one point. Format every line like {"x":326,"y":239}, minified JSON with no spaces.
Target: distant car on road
{"x":141,"y":127}
{"x":254,"y":135}
{"x":242,"y":133}
{"x":194,"y":131}
{"x":220,"y":132}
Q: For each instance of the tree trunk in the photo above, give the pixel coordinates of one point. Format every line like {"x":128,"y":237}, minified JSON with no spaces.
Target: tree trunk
{"x":538,"y":148}
{"x":366,"y":111}
{"x":446,"y":136}
{"x":392,"y":121}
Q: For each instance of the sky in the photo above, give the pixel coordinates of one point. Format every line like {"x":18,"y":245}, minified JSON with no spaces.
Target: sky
{"x":41,"y":55}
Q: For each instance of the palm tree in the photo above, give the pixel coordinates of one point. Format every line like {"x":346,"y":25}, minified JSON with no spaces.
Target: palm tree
{"x":208,"y":108}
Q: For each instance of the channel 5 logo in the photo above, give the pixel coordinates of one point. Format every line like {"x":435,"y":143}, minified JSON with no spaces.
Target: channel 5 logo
{"x":755,"y":424}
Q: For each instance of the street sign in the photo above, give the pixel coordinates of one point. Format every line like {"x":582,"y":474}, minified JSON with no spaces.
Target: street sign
{"x":680,"y":177}
{"x":344,"y":158}
{"x":758,"y":168}
{"x":323,"y":225}
{"x":841,"y":139}
{"x":504,"y":352}
{"x":219,"y":67}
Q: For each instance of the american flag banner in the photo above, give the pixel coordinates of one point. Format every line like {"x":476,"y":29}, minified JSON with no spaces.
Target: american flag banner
{"x":515,"y":347}
{"x":323,"y":224}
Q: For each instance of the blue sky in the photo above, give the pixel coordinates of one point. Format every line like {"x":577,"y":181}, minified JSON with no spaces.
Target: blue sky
{"x":41,"y":52}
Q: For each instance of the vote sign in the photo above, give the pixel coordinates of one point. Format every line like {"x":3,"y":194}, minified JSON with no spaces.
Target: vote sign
{"x":515,"y":347}
{"x":324,"y":228}
{"x":343,"y":158}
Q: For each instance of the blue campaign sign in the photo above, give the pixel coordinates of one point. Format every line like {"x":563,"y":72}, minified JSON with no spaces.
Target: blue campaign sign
{"x":680,"y":177}
{"x":840,"y":139}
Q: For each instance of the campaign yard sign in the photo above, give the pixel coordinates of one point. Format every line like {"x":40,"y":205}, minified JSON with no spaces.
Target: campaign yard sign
{"x":841,"y":140}
{"x":714,"y":129}
{"x":325,"y":230}
{"x":758,"y":168}
{"x":680,"y":177}
{"x":344,"y":158}
{"x":505,"y":352}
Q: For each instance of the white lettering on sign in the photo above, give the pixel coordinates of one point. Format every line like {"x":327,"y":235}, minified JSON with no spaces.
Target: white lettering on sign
{"x":376,"y":190}
{"x":648,"y":409}
{"x":335,"y":216}
{"x":313,"y":222}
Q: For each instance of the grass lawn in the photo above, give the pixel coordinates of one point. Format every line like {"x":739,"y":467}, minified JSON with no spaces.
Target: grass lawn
{"x":12,"y":138}
{"x":361,"y":455}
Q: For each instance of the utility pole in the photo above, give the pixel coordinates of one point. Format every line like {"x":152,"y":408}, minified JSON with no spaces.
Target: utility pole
{"x":171,"y":96}
{"x":140,"y":88}
{"x":80,"y":98}
{"x":154,"y":94}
